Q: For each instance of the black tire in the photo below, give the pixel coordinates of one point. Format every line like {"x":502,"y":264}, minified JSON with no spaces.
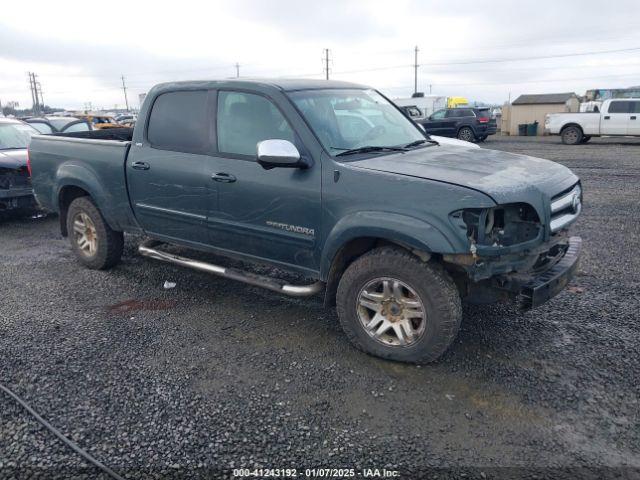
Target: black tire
{"x":433,"y":287}
{"x":572,"y":135}
{"x":585,"y":139}
{"x":466,"y":134}
{"x":109,"y":243}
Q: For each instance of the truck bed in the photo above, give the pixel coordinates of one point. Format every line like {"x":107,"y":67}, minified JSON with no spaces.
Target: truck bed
{"x":92,"y":161}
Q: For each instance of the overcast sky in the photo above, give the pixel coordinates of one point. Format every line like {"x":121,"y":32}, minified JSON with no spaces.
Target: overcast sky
{"x":80,"y":49}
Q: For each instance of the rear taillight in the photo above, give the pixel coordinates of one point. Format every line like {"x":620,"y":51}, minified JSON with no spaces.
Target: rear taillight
{"x":483,"y":119}
{"x":28,"y":163}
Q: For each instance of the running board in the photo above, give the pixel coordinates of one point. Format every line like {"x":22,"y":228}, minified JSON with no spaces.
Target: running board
{"x":147,"y":249}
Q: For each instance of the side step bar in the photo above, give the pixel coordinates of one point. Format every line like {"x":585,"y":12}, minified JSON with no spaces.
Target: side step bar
{"x":147,"y":249}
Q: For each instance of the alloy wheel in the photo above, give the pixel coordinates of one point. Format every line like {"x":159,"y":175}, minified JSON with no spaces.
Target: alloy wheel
{"x":391,"y":312}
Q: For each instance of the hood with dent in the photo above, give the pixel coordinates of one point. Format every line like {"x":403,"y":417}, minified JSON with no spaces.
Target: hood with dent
{"x":13,"y":158}
{"x":506,"y":177}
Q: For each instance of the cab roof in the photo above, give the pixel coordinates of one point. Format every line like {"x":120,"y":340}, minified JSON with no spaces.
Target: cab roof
{"x":284,"y":84}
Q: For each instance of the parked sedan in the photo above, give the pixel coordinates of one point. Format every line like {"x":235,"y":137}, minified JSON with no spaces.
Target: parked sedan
{"x":16,"y":193}
{"x":469,"y":124}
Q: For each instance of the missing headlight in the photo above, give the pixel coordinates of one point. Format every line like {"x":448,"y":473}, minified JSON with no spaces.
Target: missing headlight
{"x":503,"y":225}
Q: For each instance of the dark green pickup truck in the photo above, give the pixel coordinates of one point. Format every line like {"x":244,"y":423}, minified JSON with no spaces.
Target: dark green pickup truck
{"x":327,"y":179}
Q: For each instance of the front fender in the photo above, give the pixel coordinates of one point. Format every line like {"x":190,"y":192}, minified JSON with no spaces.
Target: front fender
{"x":397,"y":228}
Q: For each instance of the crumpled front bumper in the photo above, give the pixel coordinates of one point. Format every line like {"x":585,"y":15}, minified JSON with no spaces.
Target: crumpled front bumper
{"x":551,"y":282}
{"x":16,"y":198}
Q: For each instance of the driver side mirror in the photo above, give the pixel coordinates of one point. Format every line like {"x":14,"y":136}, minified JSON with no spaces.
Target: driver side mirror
{"x":279,"y":154}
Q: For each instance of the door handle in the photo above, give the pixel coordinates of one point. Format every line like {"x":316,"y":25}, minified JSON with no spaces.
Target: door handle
{"x":141,"y":165}
{"x":607,"y":117}
{"x":633,"y":118}
{"x":223,"y":177}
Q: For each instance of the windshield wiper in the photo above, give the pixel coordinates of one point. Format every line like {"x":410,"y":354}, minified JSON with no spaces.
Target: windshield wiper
{"x":420,"y":142}
{"x":368,"y":149}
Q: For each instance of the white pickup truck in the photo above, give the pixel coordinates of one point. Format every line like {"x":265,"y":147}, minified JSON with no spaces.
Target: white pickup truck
{"x":617,"y":117}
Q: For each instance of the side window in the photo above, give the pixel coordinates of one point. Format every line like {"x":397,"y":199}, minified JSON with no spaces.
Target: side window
{"x":244,"y":119}
{"x":179,"y":122}
{"x":620,"y":107}
{"x":439,"y":115}
{"x":77,"y":127}
{"x":451,"y":114}
{"x":635,"y":107}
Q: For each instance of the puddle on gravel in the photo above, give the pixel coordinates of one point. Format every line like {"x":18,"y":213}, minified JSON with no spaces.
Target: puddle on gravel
{"x":133,"y":305}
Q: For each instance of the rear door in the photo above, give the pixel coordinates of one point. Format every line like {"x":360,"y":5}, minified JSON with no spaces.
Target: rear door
{"x":453,"y":119}
{"x":633,"y":127}
{"x":616,"y":120}
{"x":167,"y":174}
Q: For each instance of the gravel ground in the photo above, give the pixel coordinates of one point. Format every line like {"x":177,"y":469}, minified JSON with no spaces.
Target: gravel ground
{"x":213,"y":375}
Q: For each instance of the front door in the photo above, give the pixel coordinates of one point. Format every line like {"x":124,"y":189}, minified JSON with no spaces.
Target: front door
{"x":436,"y":123}
{"x":167,"y":174}
{"x":266,"y":214}
{"x":616,"y":120}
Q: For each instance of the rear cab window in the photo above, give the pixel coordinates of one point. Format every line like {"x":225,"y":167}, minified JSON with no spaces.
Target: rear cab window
{"x":179,"y":121}
{"x":620,"y":106}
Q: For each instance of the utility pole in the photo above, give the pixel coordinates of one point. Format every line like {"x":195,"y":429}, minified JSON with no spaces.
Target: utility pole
{"x":33,"y":96}
{"x":40,"y":96}
{"x":415,"y":70}
{"x":35,"y":89}
{"x":237,"y":70}
{"x":124,"y":89}
{"x":326,"y":63}
{"x":34,"y":85}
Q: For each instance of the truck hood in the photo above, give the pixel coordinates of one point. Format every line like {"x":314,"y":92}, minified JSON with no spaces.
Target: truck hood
{"x":13,"y":158}
{"x":505,"y":177}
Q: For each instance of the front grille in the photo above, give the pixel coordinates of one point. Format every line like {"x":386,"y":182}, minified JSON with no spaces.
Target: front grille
{"x":565,"y":208}
{"x":14,"y":178}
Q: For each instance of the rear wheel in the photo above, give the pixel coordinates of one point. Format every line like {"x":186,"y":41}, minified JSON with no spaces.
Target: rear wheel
{"x":395,"y":306}
{"x":466,"y":134}
{"x":94,"y":242}
{"x":572,"y":135}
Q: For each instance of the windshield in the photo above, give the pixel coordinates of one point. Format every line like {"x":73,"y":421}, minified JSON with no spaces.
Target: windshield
{"x":15,"y":135}
{"x":351,"y":119}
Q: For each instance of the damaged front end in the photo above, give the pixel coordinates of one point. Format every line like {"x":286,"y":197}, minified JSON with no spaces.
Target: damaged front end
{"x":511,"y":254}
{"x":15,"y":188}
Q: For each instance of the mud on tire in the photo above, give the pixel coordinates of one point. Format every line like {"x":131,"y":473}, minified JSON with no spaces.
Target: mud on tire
{"x":424,"y":281}
{"x":84,"y":218}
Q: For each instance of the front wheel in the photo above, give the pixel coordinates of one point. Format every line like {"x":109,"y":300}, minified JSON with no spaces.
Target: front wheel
{"x":395,"y":306}
{"x":94,"y":242}
{"x":466,"y":134}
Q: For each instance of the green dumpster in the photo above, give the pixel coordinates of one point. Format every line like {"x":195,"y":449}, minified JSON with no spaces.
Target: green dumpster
{"x":522,"y":129}
{"x":532,"y":129}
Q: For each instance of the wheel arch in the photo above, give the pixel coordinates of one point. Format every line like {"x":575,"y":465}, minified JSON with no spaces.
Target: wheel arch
{"x":66,"y":195}
{"x":347,"y":242}
{"x":571,"y":124}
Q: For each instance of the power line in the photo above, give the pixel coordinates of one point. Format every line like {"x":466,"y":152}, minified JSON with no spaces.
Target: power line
{"x":542,"y":57}
{"x":237,"y":70}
